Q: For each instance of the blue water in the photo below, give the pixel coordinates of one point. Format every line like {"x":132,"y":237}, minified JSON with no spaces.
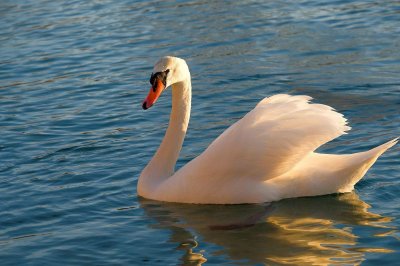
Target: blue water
{"x":74,"y":138}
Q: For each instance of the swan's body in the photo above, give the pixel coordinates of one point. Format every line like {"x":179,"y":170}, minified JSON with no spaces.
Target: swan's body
{"x":266,"y":156}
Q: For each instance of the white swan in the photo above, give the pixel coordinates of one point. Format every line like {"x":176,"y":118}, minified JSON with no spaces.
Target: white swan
{"x":266,"y":156}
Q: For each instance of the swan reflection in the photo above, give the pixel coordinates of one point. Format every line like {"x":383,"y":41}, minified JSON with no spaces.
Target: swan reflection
{"x":317,"y":230}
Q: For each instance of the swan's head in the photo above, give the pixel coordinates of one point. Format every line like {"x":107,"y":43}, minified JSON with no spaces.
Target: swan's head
{"x":167,"y":71}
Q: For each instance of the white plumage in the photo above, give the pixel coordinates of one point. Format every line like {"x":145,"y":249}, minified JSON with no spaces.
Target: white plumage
{"x":266,"y":156}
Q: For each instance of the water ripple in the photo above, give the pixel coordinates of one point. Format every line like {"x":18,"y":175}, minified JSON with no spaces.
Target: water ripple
{"x":74,"y":138}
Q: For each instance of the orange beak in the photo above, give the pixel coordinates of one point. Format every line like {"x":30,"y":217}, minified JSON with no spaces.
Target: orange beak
{"x":154,"y":93}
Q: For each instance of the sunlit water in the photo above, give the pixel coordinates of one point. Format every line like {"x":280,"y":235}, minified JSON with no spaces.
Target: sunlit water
{"x":74,"y":138}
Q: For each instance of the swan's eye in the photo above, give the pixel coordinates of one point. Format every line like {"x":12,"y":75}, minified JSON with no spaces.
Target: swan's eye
{"x":162,"y":76}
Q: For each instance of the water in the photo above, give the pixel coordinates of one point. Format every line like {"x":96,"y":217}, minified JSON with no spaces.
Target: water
{"x":74,"y":139}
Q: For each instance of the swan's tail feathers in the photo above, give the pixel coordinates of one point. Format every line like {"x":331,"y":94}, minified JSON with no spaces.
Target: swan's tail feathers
{"x":364,"y":161}
{"x":384,"y":147}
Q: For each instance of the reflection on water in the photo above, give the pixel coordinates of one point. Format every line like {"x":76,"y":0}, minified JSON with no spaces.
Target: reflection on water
{"x":190,"y":257}
{"x":317,"y":230}
{"x":74,"y":138}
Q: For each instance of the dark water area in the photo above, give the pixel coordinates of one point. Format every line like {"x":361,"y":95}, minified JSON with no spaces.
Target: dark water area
{"x":74,"y":138}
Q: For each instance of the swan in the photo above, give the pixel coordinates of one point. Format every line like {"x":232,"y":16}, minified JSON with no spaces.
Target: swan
{"x":268,"y":155}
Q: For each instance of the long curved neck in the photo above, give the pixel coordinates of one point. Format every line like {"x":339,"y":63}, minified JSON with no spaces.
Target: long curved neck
{"x":168,"y":152}
{"x":162,"y":165}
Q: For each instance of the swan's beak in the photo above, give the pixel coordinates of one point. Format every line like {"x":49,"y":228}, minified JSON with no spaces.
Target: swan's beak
{"x":154,"y":93}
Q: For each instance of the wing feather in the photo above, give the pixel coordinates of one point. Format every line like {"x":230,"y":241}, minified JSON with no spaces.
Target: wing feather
{"x":271,"y":139}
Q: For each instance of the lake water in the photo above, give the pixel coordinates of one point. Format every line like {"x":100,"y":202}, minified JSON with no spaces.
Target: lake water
{"x":74,"y":138}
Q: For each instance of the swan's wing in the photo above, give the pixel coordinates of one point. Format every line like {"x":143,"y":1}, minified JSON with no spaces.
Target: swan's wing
{"x":271,"y":139}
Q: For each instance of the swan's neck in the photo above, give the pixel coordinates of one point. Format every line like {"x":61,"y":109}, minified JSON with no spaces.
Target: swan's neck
{"x":162,"y":165}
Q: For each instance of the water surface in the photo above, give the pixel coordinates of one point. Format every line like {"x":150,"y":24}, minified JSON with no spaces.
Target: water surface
{"x":74,"y":139}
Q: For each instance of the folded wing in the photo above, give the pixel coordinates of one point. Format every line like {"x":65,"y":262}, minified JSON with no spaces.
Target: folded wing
{"x":270,"y":140}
